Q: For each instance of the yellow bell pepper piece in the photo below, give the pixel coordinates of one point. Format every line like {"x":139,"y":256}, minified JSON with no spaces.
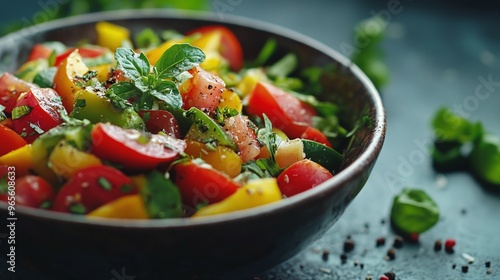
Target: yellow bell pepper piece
{"x":65,"y":159}
{"x":231,"y":100}
{"x":250,"y":79}
{"x":72,"y":66}
{"x":112,"y":36}
{"x":20,"y":158}
{"x":255,"y":193}
{"x":103,"y":71}
{"x":222,"y":158}
{"x":154,"y":54}
{"x":125,"y":207}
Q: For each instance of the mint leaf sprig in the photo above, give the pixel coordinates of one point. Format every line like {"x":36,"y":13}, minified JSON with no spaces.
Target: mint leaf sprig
{"x":149,"y":84}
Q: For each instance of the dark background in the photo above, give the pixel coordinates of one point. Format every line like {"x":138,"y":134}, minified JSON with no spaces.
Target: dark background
{"x":437,"y":54}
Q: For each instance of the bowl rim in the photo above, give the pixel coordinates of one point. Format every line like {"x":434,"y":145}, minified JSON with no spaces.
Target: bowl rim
{"x":355,"y":169}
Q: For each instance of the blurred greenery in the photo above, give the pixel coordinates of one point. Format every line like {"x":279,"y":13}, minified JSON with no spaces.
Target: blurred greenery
{"x":76,"y":7}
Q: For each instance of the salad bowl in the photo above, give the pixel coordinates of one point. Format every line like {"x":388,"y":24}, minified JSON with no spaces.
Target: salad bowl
{"x":237,"y":244}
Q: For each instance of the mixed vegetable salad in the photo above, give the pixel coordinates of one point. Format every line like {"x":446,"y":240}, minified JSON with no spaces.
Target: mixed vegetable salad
{"x":162,"y":125}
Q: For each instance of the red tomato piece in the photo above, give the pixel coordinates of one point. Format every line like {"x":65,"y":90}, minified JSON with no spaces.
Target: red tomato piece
{"x":85,"y":52}
{"x":92,"y":187}
{"x":133,"y":149}
{"x":301,"y":176}
{"x":39,"y":51}
{"x":314,"y":134}
{"x":10,"y":140}
{"x":203,"y":90}
{"x":44,"y":106}
{"x":10,"y":89}
{"x":230,"y":46}
{"x":32,"y":191}
{"x":285,"y":111}
{"x":239,"y":128}
{"x":201,"y":184}
{"x":161,"y":121}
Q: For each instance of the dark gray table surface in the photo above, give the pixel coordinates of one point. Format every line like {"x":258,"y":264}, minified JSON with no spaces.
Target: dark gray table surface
{"x":438,"y":55}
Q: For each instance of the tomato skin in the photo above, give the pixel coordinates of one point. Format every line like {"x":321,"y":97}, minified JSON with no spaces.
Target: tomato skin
{"x":161,"y":120}
{"x":10,"y":89}
{"x":89,"y":52}
{"x":230,"y":47}
{"x":39,"y":51}
{"x":203,"y":90}
{"x":32,"y":191}
{"x":314,"y":134}
{"x":85,"y":188}
{"x":10,"y":140}
{"x":44,"y":112}
{"x":121,"y":146}
{"x":285,"y":111}
{"x":202,"y":184}
{"x":301,"y":176}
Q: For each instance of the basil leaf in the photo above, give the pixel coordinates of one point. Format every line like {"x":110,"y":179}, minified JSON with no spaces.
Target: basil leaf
{"x":124,"y":90}
{"x":161,"y":196}
{"x":167,"y":91}
{"x":135,"y":66}
{"x":177,"y":59}
{"x":284,"y":66}
{"x":45,"y":78}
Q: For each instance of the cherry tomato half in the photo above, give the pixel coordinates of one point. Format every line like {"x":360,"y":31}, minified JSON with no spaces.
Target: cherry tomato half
{"x":285,"y":111}
{"x":230,"y":47}
{"x":133,"y":149}
{"x":10,"y":89}
{"x":40,"y":113}
{"x":92,"y":187}
{"x":10,"y":140}
{"x":302,"y":175}
{"x":201,"y":184}
{"x":161,"y":120}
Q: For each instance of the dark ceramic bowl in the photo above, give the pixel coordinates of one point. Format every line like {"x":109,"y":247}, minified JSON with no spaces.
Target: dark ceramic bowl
{"x":234,"y":245}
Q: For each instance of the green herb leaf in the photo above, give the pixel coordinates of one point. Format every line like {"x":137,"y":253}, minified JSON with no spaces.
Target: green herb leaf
{"x":167,"y":91}
{"x":177,"y":59}
{"x":134,"y":66}
{"x":449,"y":126}
{"x":78,"y":208}
{"x":284,"y":66}
{"x":271,"y":140}
{"x":20,"y":111}
{"x":104,"y":183}
{"x":147,"y":38}
{"x":414,"y":211}
{"x":161,"y":196}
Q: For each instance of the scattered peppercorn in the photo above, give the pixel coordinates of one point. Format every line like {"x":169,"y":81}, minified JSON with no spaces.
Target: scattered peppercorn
{"x":489,"y":271}
{"x":465,"y":268}
{"x":382,"y":221}
{"x":361,"y":265}
{"x":380,"y":241}
{"x":453,"y":266}
{"x":398,"y":242}
{"x":487,"y":264}
{"x":449,"y":244}
{"x":438,"y":245}
{"x":325,"y":255}
{"x":391,"y":254}
{"x":348,"y":245}
{"x":390,"y":275}
{"x":343,"y":258}
{"x":463,"y":211}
